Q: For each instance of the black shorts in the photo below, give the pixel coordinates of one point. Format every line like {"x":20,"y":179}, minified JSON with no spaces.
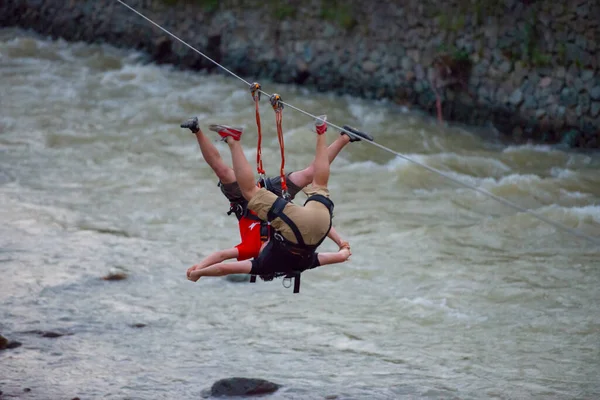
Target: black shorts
{"x":276,"y":185}
{"x":232,"y":191}
{"x":273,"y":261}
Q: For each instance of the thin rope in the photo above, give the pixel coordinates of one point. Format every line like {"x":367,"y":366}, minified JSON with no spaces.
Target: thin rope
{"x":259,"y":163}
{"x":278,"y":118}
{"x":502,"y":200}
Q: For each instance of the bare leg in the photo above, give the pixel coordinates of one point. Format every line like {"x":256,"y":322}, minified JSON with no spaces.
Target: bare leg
{"x":243,"y":170}
{"x":304,"y":177}
{"x":321,"y":163}
{"x":214,"y":160}
{"x":221,"y":269}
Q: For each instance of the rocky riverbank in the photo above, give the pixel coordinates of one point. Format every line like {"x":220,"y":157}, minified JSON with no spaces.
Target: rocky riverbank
{"x":530,"y":68}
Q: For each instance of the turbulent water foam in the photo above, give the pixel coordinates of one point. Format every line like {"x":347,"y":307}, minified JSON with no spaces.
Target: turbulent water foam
{"x":448,"y":294}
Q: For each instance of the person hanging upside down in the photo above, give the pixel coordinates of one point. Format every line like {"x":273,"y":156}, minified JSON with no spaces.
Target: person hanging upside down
{"x":254,"y":231}
{"x":297,"y":230}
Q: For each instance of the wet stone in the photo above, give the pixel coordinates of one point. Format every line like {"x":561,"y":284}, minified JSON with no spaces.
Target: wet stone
{"x":595,"y":93}
{"x":595,"y":109}
{"x":516,"y":98}
{"x":568,"y":97}
{"x":243,"y":387}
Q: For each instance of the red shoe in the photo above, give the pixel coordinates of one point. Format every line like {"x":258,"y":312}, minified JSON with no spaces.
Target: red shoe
{"x":321,"y":125}
{"x":227,"y":131}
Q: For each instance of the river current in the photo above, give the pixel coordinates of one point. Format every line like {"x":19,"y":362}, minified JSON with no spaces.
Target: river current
{"x":448,"y":294}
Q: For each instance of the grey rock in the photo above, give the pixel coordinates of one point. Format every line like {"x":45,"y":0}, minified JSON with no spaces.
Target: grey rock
{"x":369,"y":66}
{"x":483,"y":93}
{"x":506,"y":67}
{"x":578,"y":85}
{"x":516,"y":98}
{"x":595,"y":109}
{"x":414,"y":55}
{"x":568,"y":97}
{"x":583,"y":101}
{"x":419,"y":72}
{"x":406,"y":63}
{"x":419,"y":86}
{"x":545,"y":82}
{"x":531,"y":102}
{"x":242,"y":387}
{"x":540,"y":113}
{"x":560,"y":111}
{"x":595,"y":93}
{"x":583,"y":9}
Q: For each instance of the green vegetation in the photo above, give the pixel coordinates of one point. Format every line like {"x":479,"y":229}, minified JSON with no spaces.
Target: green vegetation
{"x":339,"y":12}
{"x":282,"y":11}
{"x":207,"y":5}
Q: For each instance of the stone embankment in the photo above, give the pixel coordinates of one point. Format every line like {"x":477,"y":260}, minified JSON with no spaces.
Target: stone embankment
{"x":530,"y":68}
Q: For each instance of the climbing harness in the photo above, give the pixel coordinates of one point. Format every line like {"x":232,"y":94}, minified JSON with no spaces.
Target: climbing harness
{"x":487,"y":193}
{"x":298,"y":256}
{"x":277,"y":105}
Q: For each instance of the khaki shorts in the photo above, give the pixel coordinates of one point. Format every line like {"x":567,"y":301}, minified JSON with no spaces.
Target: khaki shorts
{"x":312,"y":220}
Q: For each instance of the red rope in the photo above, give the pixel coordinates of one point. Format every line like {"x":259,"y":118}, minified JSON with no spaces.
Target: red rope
{"x":282,"y":148}
{"x":259,"y":163}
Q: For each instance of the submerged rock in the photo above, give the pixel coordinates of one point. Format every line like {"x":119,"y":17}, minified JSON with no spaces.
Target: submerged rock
{"x":6,"y":344}
{"x":48,"y":334}
{"x":242,"y":387}
{"x":115,"y":276}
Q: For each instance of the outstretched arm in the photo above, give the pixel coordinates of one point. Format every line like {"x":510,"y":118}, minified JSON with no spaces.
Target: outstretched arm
{"x":214,"y":258}
{"x":221,"y":269}
{"x":333,"y":258}
{"x":333,"y":235}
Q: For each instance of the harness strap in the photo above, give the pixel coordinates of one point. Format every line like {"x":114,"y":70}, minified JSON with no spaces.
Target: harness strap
{"x":276,"y":211}
{"x":297,"y":276}
{"x":327,"y":203}
{"x":323,"y":200}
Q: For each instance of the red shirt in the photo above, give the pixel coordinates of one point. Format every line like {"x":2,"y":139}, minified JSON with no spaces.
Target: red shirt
{"x":250,"y":234}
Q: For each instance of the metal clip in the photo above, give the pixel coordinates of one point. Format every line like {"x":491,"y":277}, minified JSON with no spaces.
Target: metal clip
{"x":276,"y":102}
{"x":255,"y":90}
{"x":287,"y":282}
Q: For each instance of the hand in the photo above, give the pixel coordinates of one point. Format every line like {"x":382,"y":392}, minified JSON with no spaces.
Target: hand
{"x":345,"y":251}
{"x":190,"y":270}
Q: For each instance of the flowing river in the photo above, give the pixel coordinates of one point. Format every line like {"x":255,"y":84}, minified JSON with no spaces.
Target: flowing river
{"x":448,"y":294}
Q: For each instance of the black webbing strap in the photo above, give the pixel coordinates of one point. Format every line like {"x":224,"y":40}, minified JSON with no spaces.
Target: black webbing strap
{"x":297,"y":282}
{"x":276,"y":211}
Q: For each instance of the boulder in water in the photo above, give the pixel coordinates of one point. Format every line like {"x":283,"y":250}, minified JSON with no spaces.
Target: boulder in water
{"x":115,"y":276}
{"x":242,"y":387}
{"x":48,"y":334}
{"x":8,"y":344}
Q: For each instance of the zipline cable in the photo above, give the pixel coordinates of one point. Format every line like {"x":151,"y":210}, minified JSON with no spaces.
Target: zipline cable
{"x":502,"y":200}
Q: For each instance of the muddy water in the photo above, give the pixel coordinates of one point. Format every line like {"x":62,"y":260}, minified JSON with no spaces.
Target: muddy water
{"x":448,"y":294}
